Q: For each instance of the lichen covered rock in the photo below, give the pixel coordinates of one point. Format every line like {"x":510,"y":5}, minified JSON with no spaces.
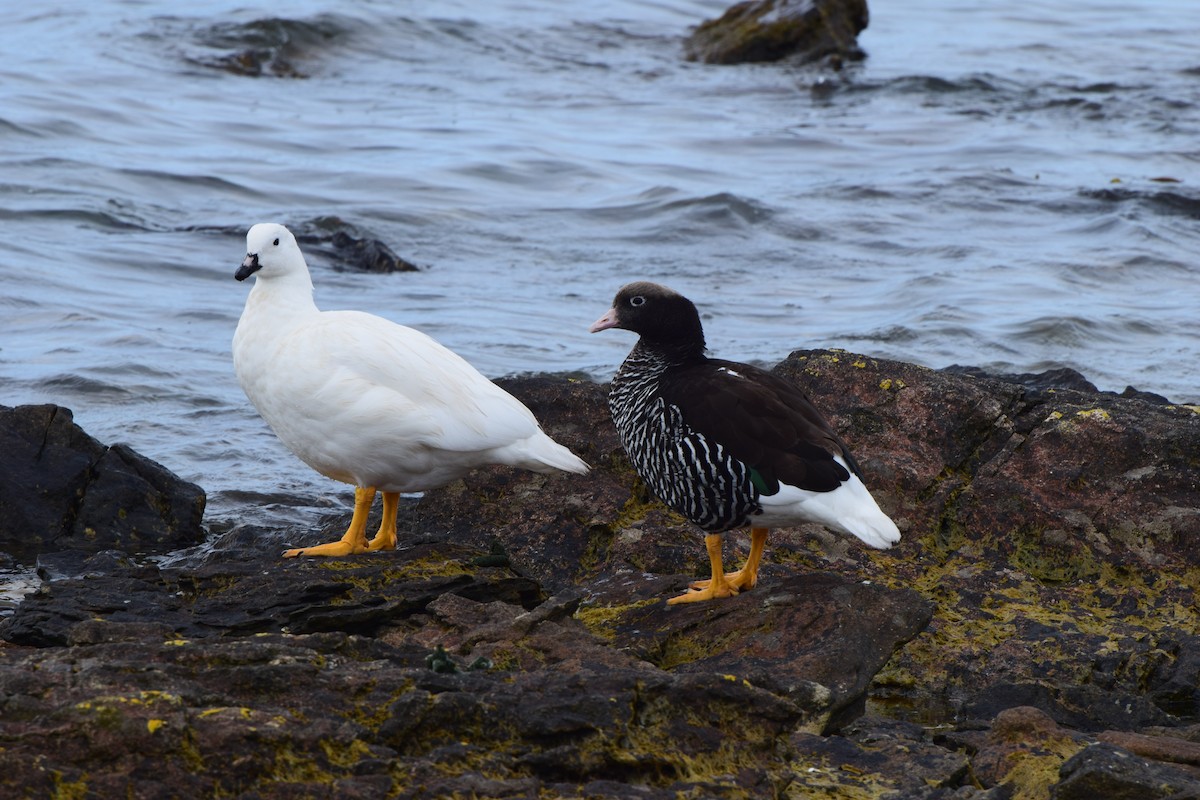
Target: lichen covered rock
{"x":1033,"y":634}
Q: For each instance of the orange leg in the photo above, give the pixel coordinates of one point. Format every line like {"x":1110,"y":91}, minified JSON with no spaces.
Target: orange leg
{"x":355,"y":540}
{"x":747,"y":576}
{"x":385,"y":539}
{"x":718,"y":586}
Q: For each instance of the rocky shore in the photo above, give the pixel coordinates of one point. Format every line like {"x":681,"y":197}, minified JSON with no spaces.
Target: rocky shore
{"x":1035,"y":634}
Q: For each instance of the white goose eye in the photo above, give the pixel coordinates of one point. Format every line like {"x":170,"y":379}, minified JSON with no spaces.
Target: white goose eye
{"x":637,"y":301}
{"x":276,"y":243}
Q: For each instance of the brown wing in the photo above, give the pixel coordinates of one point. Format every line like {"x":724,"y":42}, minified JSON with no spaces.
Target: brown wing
{"x":762,"y":420}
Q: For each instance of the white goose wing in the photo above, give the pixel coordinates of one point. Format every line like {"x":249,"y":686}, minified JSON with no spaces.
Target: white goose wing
{"x":389,"y":371}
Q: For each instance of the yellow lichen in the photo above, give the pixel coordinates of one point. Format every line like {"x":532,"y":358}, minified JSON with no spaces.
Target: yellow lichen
{"x":1033,"y":773}
{"x":602,"y":620}
{"x":68,"y":790}
{"x":242,"y":711}
{"x":345,"y":753}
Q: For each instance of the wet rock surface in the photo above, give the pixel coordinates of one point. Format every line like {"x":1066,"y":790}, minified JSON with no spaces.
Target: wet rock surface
{"x":60,"y":489}
{"x":769,"y":30}
{"x":1033,"y":635}
{"x":267,"y":48}
{"x":348,"y":247}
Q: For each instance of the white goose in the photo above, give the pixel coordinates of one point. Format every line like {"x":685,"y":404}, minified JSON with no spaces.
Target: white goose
{"x":366,"y":401}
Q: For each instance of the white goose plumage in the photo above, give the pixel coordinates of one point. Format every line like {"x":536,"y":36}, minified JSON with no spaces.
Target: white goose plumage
{"x":368,"y":402}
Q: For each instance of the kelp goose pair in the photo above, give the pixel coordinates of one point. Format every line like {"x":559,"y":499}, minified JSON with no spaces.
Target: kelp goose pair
{"x":387,"y":409}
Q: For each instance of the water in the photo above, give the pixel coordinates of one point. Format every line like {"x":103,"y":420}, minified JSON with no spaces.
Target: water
{"x":988,"y":188}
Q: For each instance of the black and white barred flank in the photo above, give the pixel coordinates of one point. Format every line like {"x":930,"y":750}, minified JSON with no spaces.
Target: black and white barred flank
{"x":691,"y":473}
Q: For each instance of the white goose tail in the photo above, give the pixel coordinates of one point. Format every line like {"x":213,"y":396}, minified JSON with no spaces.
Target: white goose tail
{"x":848,"y":509}
{"x":540,"y":453}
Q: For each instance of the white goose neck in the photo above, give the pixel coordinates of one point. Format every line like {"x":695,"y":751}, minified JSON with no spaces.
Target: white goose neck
{"x":294,"y":290}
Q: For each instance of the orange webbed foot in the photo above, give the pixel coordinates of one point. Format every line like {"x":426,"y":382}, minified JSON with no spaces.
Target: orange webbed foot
{"x":723,"y":589}
{"x":355,"y":540}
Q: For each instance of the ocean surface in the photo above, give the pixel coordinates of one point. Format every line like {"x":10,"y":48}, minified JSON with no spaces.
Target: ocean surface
{"x":1010,"y":186}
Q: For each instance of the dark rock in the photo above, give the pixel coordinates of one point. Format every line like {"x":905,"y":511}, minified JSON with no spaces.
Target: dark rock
{"x":348,"y":247}
{"x":1085,"y":707}
{"x":1059,"y":378}
{"x":1158,"y":747}
{"x":62,"y":489}
{"x":1115,"y":774}
{"x":79,"y":563}
{"x":1023,"y":748}
{"x":229,"y":596}
{"x":1049,"y":380}
{"x":1037,"y":520}
{"x":296,"y":713}
{"x":1175,"y":684}
{"x":901,"y":757}
{"x":818,"y":638}
{"x":768,"y":30}
{"x":1130,"y":393}
{"x":268,"y":47}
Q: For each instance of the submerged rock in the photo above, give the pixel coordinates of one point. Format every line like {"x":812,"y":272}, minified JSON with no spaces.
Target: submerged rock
{"x":769,"y":30}
{"x":274,"y":47}
{"x":347,"y":247}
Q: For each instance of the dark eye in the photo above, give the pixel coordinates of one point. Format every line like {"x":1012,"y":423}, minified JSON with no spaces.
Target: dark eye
{"x":277,"y":243}
{"x":637,"y":301}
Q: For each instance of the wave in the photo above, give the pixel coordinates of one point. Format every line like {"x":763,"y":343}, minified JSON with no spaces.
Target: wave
{"x":1161,"y":202}
{"x":275,"y":46}
{"x":663,"y":211}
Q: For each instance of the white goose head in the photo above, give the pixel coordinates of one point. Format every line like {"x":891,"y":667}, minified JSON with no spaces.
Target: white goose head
{"x":271,"y":252}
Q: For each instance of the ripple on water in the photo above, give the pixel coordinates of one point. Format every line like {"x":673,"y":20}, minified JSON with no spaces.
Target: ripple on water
{"x":1064,"y":331}
{"x":75,"y":385}
{"x":664,"y":215}
{"x":1162,"y":202}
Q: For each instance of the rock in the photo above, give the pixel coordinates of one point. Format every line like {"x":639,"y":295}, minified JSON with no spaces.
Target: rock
{"x":901,"y":760}
{"x":333,"y":714}
{"x":1155,"y":747}
{"x":229,"y":596}
{"x":1103,"y":770}
{"x":768,"y":30}
{"x":560,"y":543}
{"x":62,"y":489}
{"x":817,"y":638}
{"x":1024,"y":750}
{"x":348,"y":247}
{"x":1086,"y":707}
{"x":1040,"y":522}
{"x":273,"y":47}
{"x":436,"y":662}
{"x":1049,"y":380}
{"x":518,"y":643}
